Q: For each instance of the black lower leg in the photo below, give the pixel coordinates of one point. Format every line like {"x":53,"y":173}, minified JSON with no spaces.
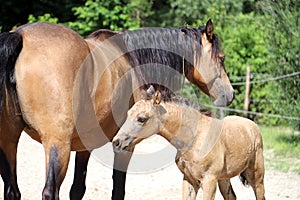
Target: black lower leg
{"x":51,"y":191}
{"x":11,"y":190}
{"x":78,"y":187}
{"x":121,"y":162}
{"x":119,"y":179}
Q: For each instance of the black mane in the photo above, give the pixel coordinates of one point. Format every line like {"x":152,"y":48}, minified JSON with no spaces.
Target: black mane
{"x":161,"y":55}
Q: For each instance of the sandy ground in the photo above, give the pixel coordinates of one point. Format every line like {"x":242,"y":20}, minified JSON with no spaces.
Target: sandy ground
{"x":161,"y":184}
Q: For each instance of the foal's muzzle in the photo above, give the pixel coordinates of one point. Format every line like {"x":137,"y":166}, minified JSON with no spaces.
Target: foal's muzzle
{"x":122,"y":144}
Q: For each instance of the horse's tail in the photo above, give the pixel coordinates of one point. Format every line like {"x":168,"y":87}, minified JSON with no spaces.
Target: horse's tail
{"x":11,"y":44}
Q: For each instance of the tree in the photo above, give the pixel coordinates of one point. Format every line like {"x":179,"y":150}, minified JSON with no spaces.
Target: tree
{"x":189,"y":11}
{"x":16,"y":12}
{"x":114,"y":15}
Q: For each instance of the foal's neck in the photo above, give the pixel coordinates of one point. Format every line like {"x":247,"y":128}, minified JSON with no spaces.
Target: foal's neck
{"x":181,"y":124}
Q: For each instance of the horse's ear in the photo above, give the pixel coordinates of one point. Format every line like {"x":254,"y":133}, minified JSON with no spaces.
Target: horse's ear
{"x":157,"y":98}
{"x":209,"y":30}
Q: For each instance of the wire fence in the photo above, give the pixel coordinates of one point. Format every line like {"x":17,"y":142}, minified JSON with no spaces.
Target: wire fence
{"x":252,"y":112}
{"x":266,"y":79}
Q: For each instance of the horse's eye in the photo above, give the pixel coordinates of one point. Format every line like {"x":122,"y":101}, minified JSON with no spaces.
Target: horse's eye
{"x":142,"y":119}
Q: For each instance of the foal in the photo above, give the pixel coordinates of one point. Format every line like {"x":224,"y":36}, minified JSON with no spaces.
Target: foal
{"x":209,"y":150}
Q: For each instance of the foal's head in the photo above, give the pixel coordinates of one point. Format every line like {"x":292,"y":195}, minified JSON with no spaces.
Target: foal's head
{"x":144,"y":119}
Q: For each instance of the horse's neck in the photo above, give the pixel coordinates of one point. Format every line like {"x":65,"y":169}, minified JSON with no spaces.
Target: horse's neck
{"x":109,"y":62}
{"x":181,"y":124}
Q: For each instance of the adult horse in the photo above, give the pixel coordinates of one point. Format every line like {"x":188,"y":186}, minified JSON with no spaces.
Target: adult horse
{"x":55,"y":85}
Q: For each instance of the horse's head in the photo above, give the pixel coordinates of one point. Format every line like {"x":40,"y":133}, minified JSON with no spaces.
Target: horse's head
{"x":209,"y":72}
{"x":143,"y":120}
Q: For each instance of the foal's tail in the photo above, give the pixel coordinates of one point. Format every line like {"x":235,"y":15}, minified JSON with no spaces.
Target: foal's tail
{"x":11,"y":44}
{"x":244,"y":179}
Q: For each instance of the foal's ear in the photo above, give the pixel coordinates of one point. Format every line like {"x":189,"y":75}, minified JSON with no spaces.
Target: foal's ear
{"x":209,"y":30}
{"x":147,"y":94}
{"x":156,"y":98}
{"x":150,"y":91}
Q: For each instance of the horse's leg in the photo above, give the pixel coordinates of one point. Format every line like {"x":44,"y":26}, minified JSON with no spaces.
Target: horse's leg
{"x":57,"y":153}
{"x":8,"y":172}
{"x":226,"y":189}
{"x":188,"y":190}
{"x":78,"y":186}
{"x":255,"y":175}
{"x":9,"y":138}
{"x":121,"y":162}
{"x":209,"y":186}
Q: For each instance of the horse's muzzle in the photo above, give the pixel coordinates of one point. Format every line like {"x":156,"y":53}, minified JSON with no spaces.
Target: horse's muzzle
{"x":224,"y":99}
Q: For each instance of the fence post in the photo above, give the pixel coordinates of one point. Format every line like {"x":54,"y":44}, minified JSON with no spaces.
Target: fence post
{"x":247,"y":92}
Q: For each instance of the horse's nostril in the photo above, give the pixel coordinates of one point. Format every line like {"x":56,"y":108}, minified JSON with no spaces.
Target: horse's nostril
{"x":116,"y":143}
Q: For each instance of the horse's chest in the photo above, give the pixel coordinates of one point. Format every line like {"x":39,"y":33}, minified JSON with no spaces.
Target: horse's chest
{"x":189,"y":168}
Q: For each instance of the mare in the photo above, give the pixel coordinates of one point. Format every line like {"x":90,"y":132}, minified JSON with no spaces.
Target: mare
{"x":209,"y":151}
{"x":72,"y":94}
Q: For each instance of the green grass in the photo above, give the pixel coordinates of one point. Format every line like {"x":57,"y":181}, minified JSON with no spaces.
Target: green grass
{"x":281,"y":149}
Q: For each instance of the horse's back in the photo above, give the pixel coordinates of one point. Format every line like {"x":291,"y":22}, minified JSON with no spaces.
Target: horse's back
{"x":241,"y":131}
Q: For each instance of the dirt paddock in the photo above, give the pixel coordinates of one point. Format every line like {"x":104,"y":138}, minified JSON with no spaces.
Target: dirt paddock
{"x":161,"y":184}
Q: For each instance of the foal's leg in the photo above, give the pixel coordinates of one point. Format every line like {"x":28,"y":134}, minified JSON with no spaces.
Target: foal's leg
{"x":209,"y":186}
{"x":121,"y":162}
{"x":188,"y":190}
{"x":78,"y":186}
{"x":9,"y":138}
{"x":226,"y":189}
{"x":57,"y":159}
{"x":255,"y":175}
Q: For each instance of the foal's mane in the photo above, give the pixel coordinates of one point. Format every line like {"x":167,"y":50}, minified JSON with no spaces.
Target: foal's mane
{"x":182,"y":101}
{"x":179,"y":100}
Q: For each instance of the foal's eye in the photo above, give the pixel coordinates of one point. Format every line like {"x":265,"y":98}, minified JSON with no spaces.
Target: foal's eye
{"x":142,"y":119}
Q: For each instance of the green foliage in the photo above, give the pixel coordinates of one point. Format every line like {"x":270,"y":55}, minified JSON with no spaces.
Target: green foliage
{"x":282,"y":33}
{"x":114,"y":15}
{"x":243,"y":43}
{"x":15,"y":12}
{"x":189,"y":11}
{"x":43,"y":18}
